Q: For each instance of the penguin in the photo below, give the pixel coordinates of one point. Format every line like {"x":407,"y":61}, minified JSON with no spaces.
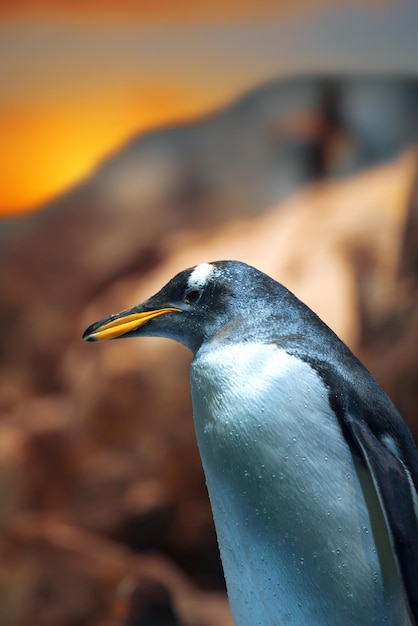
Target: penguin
{"x":312,"y":473}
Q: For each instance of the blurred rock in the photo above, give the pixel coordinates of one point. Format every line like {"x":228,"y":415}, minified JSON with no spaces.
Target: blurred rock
{"x":388,"y":310}
{"x":12,"y":480}
{"x":76,"y":577}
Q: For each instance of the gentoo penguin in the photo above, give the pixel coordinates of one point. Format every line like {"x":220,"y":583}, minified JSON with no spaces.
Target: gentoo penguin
{"x":311,"y":472}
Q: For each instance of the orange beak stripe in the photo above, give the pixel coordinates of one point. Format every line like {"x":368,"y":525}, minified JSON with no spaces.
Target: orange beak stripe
{"x":122,"y":325}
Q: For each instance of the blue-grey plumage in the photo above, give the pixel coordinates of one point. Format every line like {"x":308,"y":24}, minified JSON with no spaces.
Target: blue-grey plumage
{"x":312,"y":473}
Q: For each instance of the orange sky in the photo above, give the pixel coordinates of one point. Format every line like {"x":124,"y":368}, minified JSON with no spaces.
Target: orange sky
{"x":48,"y":148}
{"x":63,"y":109}
{"x":73,"y":90}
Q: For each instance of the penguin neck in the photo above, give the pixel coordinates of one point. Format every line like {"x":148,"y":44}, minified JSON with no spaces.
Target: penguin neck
{"x":260,"y":325}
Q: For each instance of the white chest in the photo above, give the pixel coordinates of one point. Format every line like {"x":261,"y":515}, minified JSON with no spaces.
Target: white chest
{"x":293,"y":527}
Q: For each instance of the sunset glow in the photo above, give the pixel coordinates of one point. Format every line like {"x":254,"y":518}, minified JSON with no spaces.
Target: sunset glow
{"x":80,"y":79}
{"x":65,"y":107}
{"x":50,"y":149}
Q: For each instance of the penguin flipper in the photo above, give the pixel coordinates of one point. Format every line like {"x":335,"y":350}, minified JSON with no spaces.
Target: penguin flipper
{"x":398,"y":498}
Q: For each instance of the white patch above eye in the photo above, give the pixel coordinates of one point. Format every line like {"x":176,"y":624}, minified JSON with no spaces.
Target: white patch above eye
{"x":200,"y":275}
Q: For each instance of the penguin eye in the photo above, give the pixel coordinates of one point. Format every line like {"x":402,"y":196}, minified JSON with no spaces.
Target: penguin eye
{"x":192,"y":296}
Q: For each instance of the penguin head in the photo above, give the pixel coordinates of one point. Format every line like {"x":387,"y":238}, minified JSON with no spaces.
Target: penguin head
{"x":193,"y":307}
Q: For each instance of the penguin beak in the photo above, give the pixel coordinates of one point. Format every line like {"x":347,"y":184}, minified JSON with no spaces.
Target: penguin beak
{"x":122,"y":323}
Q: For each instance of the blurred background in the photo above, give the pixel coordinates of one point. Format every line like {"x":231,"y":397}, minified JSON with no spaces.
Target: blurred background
{"x":138,"y":139}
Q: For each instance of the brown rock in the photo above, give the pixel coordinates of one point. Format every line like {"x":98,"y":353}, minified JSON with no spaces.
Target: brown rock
{"x":74,"y":576}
